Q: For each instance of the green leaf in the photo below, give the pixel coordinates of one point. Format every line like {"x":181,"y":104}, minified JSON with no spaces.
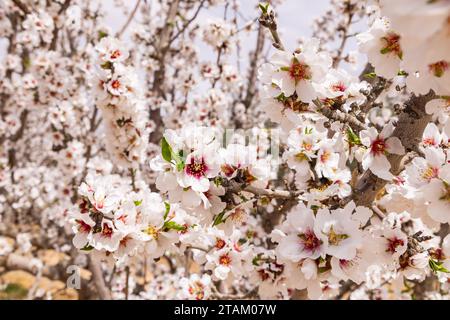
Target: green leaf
{"x":106,"y":65}
{"x":264,"y":7}
{"x":166,"y":150}
{"x":137,"y":203}
{"x":323,"y":269}
{"x":437,"y":266}
{"x":385,"y":50}
{"x":370,"y":75}
{"x":27,"y":62}
{"x":167,"y":205}
{"x":172,"y":225}
{"x":281,"y":97}
{"x":256,"y":260}
{"x":219,"y":218}
{"x":102,"y":34}
{"x":402,"y":73}
{"x":218,"y":181}
{"x":87,"y":247}
{"x":168,"y":154}
{"x":353,"y":137}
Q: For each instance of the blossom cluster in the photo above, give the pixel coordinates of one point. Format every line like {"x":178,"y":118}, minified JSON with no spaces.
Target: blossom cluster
{"x":178,"y":171}
{"x":119,"y":97}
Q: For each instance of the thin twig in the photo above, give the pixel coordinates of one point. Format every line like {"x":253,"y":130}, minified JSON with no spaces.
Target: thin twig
{"x":97,"y":276}
{"x":21,"y":6}
{"x":188,"y":22}
{"x":267,"y":19}
{"x":130,"y":18}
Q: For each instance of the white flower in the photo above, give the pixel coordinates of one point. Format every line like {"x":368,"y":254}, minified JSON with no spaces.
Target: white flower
{"x":431,"y":136}
{"x":423,"y":26}
{"x":303,"y":145}
{"x":296,"y":72}
{"x":235,"y":157}
{"x":339,"y":232}
{"x":112,"y":50}
{"x":228,"y":256}
{"x":300,"y":239}
{"x":421,"y":171}
{"x":355,"y":268}
{"x":439,"y":108}
{"x":101,"y":193}
{"x":196,"y":287}
{"x":435,"y":76}
{"x":393,"y":244}
{"x":382,"y":46}
{"x":108,"y":238}
{"x":437,"y":193}
{"x":199,"y":167}
{"x":217,"y":33}
{"x":378,"y":145}
{"x":327,"y":160}
{"x":341,"y":86}
{"x":83,"y":229}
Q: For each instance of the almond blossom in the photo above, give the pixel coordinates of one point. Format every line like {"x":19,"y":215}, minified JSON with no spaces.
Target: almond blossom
{"x":196,"y":152}
{"x":378,"y":146}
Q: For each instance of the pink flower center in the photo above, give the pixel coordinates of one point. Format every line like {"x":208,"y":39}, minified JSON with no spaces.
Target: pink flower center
{"x":309,"y":241}
{"x":196,"y":169}
{"x":263,"y":275}
{"x":325,"y":156}
{"x":399,"y":181}
{"x":225,"y":260}
{"x":124,"y":241}
{"x":378,"y":146}
{"x":115,"y":84}
{"x":438,"y":69}
{"x":299,"y":71}
{"x":220,"y":243}
{"x":393,"y":244}
{"x":197,"y":289}
{"x":115,"y":54}
{"x":338,"y":87}
{"x":83,"y":226}
{"x":430,"y":173}
{"x":429,"y":142}
{"x":227,"y":170}
{"x":107,"y":231}
{"x":392,"y":45}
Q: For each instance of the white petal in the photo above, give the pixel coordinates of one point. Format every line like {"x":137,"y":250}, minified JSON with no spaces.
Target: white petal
{"x":387,"y":130}
{"x":380,"y":167}
{"x":305,"y":91}
{"x":394,"y":145}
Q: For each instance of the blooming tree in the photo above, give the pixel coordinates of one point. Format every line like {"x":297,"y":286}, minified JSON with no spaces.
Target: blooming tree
{"x":166,"y":175}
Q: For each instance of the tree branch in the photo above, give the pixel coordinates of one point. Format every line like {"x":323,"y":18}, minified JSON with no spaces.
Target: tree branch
{"x":188,"y":22}
{"x":410,"y":126}
{"x":267,"y":19}
{"x":97,"y":276}
{"x":130,"y":18}
{"x":253,"y":67}
{"x":158,"y":78}
{"x":21,"y":6}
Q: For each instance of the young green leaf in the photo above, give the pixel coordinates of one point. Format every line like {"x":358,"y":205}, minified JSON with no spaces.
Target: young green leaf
{"x":172,"y":225}
{"x":167,"y":205}
{"x":166,"y":150}
{"x":437,"y":266}
{"x":370,"y":75}
{"x":352,"y":137}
